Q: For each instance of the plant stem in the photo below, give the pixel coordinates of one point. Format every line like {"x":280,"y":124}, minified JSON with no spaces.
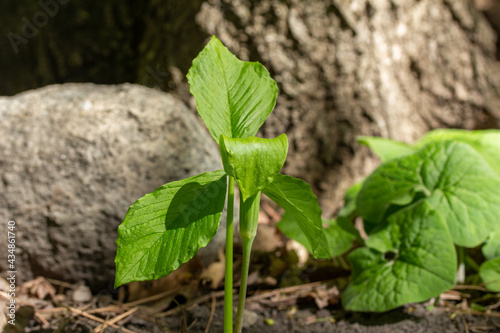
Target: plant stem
{"x":249,"y":217}
{"x":460,"y":277}
{"x":228,"y":282}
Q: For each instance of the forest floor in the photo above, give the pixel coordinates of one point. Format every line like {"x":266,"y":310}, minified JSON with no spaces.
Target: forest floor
{"x":287,"y":292}
{"x":47,"y":305}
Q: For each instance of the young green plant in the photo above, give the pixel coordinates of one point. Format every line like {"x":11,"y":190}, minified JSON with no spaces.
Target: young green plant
{"x":421,"y":208}
{"x":167,"y":227}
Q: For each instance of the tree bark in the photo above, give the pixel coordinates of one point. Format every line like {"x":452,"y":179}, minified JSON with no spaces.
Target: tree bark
{"x":394,"y":69}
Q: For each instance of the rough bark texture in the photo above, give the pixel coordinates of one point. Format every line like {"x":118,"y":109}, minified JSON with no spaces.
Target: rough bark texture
{"x":366,"y":67}
{"x":74,"y":157}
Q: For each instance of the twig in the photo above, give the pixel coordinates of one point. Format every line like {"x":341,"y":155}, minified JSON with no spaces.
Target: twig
{"x":212,"y":313}
{"x":99,"y":320}
{"x":116,"y":319}
{"x":493,"y":306}
{"x":474,"y":313}
{"x":44,"y":321}
{"x":151,"y":298}
{"x":462,"y":286}
{"x":465,"y":325}
{"x":196,"y":301}
{"x":285,"y":290}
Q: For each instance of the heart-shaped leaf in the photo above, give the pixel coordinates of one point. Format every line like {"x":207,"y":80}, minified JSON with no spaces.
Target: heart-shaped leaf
{"x":233,"y":97}
{"x":485,"y":142}
{"x":420,"y":262}
{"x":296,"y":198}
{"x":253,"y":162}
{"x":386,"y":149}
{"x":490,"y":274}
{"x":165,"y":228}
{"x":491,"y":249}
{"x":458,"y":182}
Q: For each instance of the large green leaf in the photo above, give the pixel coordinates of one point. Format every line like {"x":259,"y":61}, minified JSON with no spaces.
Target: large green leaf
{"x":490,"y":274}
{"x":491,"y":249}
{"x":339,"y":240}
{"x":165,"y":228}
{"x":233,"y":97}
{"x":486,"y":142}
{"x":457,"y":181}
{"x":386,"y":149}
{"x":253,"y":162}
{"x":420,"y":263}
{"x":297,"y":198}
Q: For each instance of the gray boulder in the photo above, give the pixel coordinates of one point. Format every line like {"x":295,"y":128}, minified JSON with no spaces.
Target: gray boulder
{"x":73,"y":157}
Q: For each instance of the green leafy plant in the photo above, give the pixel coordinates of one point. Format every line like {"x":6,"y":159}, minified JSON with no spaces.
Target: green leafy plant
{"x":167,"y":227}
{"x":421,"y":208}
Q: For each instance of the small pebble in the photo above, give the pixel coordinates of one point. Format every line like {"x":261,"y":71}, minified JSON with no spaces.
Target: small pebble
{"x":249,"y":318}
{"x":81,"y":294}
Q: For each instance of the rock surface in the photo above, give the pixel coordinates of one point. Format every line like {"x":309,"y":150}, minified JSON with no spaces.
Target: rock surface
{"x":74,"y":157}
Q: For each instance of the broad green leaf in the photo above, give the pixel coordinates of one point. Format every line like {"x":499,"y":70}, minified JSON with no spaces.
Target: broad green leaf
{"x":486,"y":142}
{"x":386,"y":149}
{"x":455,"y":178}
{"x":490,"y":274}
{"x":348,"y":212}
{"x":296,"y":198}
{"x":491,"y":249}
{"x":165,"y":228}
{"x":339,"y":240}
{"x":233,"y":97}
{"x":393,"y":183}
{"x":253,"y":162}
{"x":422,"y":266}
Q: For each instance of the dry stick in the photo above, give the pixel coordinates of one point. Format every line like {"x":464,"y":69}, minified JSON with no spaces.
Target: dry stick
{"x":44,"y":321}
{"x":462,"y":286}
{"x":113,"y":308}
{"x":198,"y":300}
{"x":465,"y":325}
{"x":271,"y":293}
{"x":116,"y":319}
{"x":212,"y":313}
{"x":99,"y":320}
{"x":151,"y":298}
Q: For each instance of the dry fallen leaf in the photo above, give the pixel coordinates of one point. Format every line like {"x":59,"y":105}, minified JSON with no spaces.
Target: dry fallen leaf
{"x":39,"y":288}
{"x":215,"y":271}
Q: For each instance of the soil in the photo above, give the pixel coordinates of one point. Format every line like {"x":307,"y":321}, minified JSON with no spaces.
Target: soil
{"x":305,"y":317}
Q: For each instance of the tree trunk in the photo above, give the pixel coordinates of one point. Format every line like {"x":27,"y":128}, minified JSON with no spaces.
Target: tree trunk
{"x":394,"y":69}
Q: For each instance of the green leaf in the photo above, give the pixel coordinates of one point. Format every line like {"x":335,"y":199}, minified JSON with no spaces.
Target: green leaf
{"x":485,"y":142}
{"x":423,"y":263}
{"x":490,"y":274}
{"x":296,"y":198}
{"x":253,"y":162}
{"x":339,"y":240}
{"x":348,"y":212}
{"x":393,"y":183}
{"x":165,"y":228}
{"x":386,"y":149}
{"x":491,"y":249}
{"x":233,"y":97}
{"x":457,"y":181}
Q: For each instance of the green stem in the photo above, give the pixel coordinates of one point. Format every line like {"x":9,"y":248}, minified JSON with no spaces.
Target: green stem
{"x":460,"y":278}
{"x":249,"y":217}
{"x":228,"y":282}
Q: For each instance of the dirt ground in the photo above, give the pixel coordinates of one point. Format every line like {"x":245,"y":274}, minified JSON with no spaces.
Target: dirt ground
{"x":312,"y":307}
